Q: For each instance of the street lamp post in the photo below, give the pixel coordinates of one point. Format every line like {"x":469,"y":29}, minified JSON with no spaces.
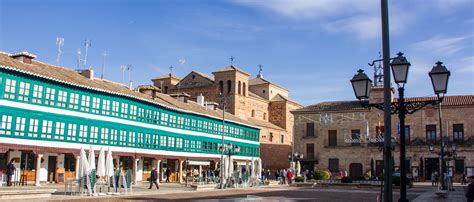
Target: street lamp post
{"x":295,"y":157}
{"x":439,"y":78}
{"x":230,"y":150}
{"x":222,"y":144}
{"x":361,"y":85}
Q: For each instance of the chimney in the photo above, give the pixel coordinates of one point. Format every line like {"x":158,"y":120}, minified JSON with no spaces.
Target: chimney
{"x":88,"y":73}
{"x":211,"y":105}
{"x":24,"y":57}
{"x":200,"y":100}
{"x":183,"y":97}
{"x":376,"y":94}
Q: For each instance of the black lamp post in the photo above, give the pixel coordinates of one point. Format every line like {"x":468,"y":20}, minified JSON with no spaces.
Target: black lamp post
{"x":439,"y":78}
{"x":229,"y":150}
{"x":400,"y":66}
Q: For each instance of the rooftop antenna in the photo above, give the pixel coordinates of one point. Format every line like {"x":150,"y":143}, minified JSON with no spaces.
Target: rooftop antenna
{"x":104,"y":54}
{"x":129,"y":69}
{"x":231,"y":60}
{"x":60,"y":44}
{"x":123,"y":68}
{"x":87,"y":44}
{"x":378,"y":72}
{"x":260,"y":69}
{"x":78,"y":58}
{"x":171,"y":70}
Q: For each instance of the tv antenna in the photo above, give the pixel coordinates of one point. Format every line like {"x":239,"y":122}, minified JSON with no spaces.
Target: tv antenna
{"x":123,"y":68}
{"x":60,"y":44}
{"x":87,"y":44}
{"x":78,"y":52}
{"x":171,"y":70}
{"x":129,"y":69}
{"x":104,"y":54}
{"x":260,"y":69}
{"x":231,"y":60}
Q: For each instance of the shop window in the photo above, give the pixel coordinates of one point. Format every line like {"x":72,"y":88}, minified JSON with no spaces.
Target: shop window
{"x":69,"y":163}
{"x":27,"y":161}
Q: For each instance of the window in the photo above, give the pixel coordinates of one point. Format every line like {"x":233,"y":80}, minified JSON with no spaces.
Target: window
{"x":163,"y":141}
{"x":179,"y":142}
{"x":239,"y":88}
{"x":95,"y":105}
{"x":69,"y":163}
{"x":131,"y":139}
{"x":310,"y":151}
{"x":332,"y":138}
{"x":355,"y":135}
{"x":104,"y":135}
{"x":407,"y":134}
{"x":458,"y":133}
{"x":10,"y":88}
{"x":333,"y":165}
{"x":94,"y":135}
{"x":229,"y":86}
{"x":113,"y":137}
{"x":105,"y":106}
{"x":244,"y":92}
{"x":47,"y":129}
{"x":263,"y":91}
{"x":221,"y":87}
{"x":282,"y":139}
{"x":133,"y":112}
{"x":164,"y":119}
{"x":6,"y":125}
{"x":123,"y":137}
{"x":156,"y":117}
{"x":59,"y":132}
{"x":71,"y":132}
{"x":85,"y":103}
{"x":170,"y":141}
{"x":62,"y":98}
{"x":24,"y":91}
{"x":140,"y":140}
{"x":50,"y":94}
{"x":155,"y":141}
{"x":74,"y":101}
{"x":253,"y":112}
{"x":310,"y":129}
{"x":431,"y":133}
{"x":115,"y":108}
{"x":271,"y":137}
{"x":33,"y":128}
{"x":264,"y":116}
{"x":141,"y":114}
{"x":20,"y":126}
{"x":83,"y":133}
{"x":37,"y":94}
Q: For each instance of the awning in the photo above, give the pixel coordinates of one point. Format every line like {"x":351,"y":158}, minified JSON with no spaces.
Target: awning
{"x":199,"y":163}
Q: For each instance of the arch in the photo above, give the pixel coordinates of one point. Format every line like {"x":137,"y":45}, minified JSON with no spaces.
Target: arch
{"x":239,"y":87}
{"x":355,"y":170}
{"x":221,"y":87}
{"x":229,"y":86}
{"x":244,"y":92}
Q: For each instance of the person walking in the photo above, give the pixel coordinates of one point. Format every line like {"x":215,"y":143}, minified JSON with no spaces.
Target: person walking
{"x":290,"y":176}
{"x":284,"y":176}
{"x":436,"y":179}
{"x":167,"y":174}
{"x":153,"y":178}
{"x":10,"y":171}
{"x":470,"y":189}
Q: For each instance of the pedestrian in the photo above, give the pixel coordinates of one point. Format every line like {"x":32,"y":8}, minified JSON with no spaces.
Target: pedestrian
{"x":463,"y":179}
{"x":167,"y":174}
{"x":284,"y":176}
{"x":289,"y":176}
{"x":470,"y":189}
{"x":10,"y":171}
{"x":153,"y":178}
{"x":436,"y":179}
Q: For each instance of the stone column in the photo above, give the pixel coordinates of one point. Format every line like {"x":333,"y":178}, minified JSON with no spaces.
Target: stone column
{"x":38,"y":168}
{"x":135,"y":171}
{"x":180,"y":177}
{"x":216,"y":165}
{"x":200,"y":171}
{"x":78,"y":158}
{"x":158,"y":168}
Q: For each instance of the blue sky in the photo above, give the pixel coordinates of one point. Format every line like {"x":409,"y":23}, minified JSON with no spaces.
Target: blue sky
{"x":313,"y":47}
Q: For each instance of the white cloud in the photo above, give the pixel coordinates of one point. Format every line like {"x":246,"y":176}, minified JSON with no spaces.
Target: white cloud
{"x":313,"y":8}
{"x":441,"y":45}
{"x":466,"y":65}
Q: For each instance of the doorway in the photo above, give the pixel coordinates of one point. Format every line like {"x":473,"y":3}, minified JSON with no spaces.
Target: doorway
{"x":52,"y":161}
{"x":378,"y":168}
{"x":431,"y":165}
{"x":355,"y":170}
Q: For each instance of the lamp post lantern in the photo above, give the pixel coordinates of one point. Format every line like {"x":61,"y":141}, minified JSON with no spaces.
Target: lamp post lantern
{"x":361,"y":85}
{"x":439,"y":79}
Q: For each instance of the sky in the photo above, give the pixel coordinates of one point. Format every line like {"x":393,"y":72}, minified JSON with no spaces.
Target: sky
{"x":311,"y":47}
